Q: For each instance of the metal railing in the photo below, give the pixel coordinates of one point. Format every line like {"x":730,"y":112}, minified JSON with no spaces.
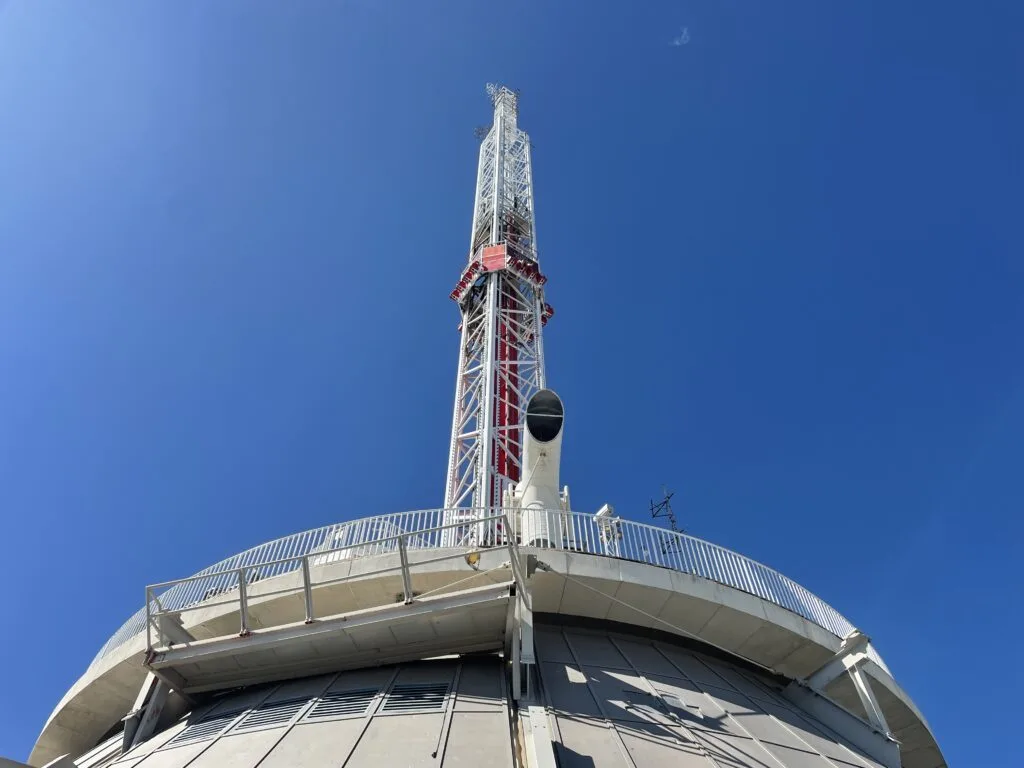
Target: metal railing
{"x":162,"y":600}
{"x":436,"y":528}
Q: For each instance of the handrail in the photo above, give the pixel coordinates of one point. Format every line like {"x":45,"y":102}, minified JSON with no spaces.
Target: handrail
{"x":437,"y":528}
{"x":302,"y":563}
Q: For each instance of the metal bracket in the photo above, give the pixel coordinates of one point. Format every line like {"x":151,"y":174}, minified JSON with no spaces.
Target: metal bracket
{"x":307,"y":590}
{"x":140,"y":723}
{"x":523,"y":653}
{"x":243,"y":605}
{"x":867,"y":699}
{"x":538,"y":748}
{"x":171,"y":629}
{"x":403,"y":554}
{"x":849,"y":658}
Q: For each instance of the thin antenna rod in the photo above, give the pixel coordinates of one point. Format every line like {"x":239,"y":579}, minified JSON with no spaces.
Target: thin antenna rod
{"x":663,"y":509}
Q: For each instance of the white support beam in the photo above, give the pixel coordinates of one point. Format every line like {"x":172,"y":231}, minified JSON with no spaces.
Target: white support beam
{"x":153,"y":708}
{"x":133,"y":718}
{"x":874,"y":743}
{"x":173,"y":680}
{"x":848,"y":659}
{"x":538,"y":749}
{"x":406,"y":577}
{"x":852,"y":652}
{"x":862,"y":685}
{"x":512,"y":648}
{"x":527,"y":651}
{"x":523,"y":655}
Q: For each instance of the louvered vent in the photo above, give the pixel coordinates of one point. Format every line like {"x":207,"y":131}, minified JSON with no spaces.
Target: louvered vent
{"x":269,"y":715}
{"x":403,"y":698}
{"x":342,"y":703}
{"x":206,"y":728}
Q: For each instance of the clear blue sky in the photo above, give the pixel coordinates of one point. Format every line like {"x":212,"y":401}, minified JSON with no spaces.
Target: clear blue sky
{"x":786,"y":260}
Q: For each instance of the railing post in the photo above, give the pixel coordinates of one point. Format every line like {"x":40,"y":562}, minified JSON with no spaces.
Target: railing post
{"x":149,"y":621}
{"x":307,"y":589}
{"x":406,"y":578}
{"x":243,"y":607}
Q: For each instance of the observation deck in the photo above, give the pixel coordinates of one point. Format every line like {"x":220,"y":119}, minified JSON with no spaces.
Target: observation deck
{"x":415,"y":585}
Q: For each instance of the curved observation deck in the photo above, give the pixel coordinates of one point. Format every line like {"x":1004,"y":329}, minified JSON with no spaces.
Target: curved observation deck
{"x":598,"y":568}
{"x":584,"y":533}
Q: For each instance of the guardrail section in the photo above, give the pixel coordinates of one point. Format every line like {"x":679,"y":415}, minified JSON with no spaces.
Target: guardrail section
{"x":436,"y":528}
{"x":173,"y":599}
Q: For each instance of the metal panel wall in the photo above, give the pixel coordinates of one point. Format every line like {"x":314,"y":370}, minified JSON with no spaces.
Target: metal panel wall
{"x":620,"y":702}
{"x":614,"y":701}
{"x":439,"y":713}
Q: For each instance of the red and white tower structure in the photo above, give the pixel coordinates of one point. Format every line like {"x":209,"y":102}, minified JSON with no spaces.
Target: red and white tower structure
{"x":501,"y":297}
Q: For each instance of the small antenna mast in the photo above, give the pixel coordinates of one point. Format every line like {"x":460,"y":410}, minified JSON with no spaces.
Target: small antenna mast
{"x":663,"y":509}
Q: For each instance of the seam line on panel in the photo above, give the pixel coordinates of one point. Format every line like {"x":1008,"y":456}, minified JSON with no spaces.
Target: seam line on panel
{"x":298,"y":717}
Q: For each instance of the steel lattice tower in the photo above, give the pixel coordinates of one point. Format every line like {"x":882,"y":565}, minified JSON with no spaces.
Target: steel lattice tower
{"x":500,"y":294}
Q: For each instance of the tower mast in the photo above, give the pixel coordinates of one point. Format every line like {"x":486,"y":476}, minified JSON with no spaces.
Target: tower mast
{"x":500,"y":295}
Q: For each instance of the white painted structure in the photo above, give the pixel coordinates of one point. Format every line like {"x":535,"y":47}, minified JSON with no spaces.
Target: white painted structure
{"x":538,"y":490}
{"x":513,"y":633}
{"x":206,"y":634}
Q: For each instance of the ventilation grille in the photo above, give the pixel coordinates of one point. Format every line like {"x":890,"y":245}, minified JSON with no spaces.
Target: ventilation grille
{"x":206,"y":728}
{"x":404,"y":698}
{"x":342,"y":703}
{"x":268,"y":715}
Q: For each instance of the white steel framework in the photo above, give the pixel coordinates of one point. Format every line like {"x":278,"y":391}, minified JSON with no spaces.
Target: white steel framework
{"x":500,"y":294}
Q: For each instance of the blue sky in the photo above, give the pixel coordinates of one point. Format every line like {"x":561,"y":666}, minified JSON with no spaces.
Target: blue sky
{"x":785,"y":259}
